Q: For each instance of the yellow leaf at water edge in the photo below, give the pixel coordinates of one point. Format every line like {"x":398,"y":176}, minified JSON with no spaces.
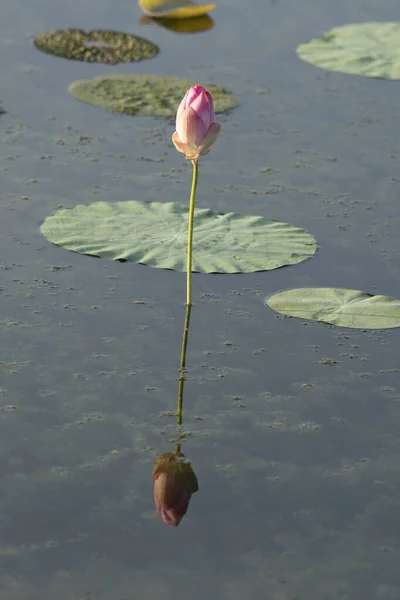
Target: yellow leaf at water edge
{"x":174,"y":9}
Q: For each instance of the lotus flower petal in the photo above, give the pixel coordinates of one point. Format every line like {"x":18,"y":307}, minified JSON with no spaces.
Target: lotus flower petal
{"x":196,"y":129}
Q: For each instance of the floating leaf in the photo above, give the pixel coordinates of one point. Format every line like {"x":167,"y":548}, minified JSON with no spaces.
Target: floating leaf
{"x":154,"y":95}
{"x":368,"y":49}
{"x":174,"y":9}
{"x":109,"y":47}
{"x":345,"y":308}
{"x":155,"y":234}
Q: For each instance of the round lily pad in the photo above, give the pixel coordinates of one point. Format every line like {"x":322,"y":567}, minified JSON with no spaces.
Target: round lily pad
{"x":174,"y":9}
{"x":109,"y":47}
{"x":154,"y":95}
{"x":345,"y":308}
{"x":155,"y":234}
{"x":367,"y":49}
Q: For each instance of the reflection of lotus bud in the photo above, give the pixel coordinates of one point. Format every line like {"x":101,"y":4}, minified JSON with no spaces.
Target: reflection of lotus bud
{"x":174,"y":483}
{"x":196,"y":129}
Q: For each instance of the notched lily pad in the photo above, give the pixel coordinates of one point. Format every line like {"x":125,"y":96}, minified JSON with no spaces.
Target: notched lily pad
{"x":367,"y":49}
{"x":154,"y":95}
{"x":342,"y":307}
{"x":155,"y":234}
{"x":102,"y":46}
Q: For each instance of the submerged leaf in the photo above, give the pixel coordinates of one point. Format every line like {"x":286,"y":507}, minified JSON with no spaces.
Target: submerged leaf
{"x":174,"y":9}
{"x":154,"y":95}
{"x":155,"y":234}
{"x":102,"y":46}
{"x":367,"y":49}
{"x":345,"y":308}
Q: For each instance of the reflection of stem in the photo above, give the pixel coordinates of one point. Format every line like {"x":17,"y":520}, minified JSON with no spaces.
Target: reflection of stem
{"x":182,"y":369}
{"x":190,"y":233}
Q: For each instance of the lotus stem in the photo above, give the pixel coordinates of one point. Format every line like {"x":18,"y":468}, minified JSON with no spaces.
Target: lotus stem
{"x":190,"y":234}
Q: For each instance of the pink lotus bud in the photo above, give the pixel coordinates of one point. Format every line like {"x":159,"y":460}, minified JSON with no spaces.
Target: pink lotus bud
{"x":196,"y":129}
{"x":174,"y":484}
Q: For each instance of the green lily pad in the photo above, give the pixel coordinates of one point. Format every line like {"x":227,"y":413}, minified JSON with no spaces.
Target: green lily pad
{"x":154,"y":95}
{"x":367,"y":49}
{"x":108,"y":47}
{"x":345,"y":308}
{"x":155,"y":234}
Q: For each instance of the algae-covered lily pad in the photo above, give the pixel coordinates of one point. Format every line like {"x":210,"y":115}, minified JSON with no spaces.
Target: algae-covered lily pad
{"x":154,"y":95}
{"x":174,"y":9}
{"x":367,"y":49}
{"x":109,"y":47}
{"x":345,"y":308}
{"x":155,"y":234}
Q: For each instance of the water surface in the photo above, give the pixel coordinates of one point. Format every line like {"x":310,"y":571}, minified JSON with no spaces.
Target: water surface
{"x":294,"y":427}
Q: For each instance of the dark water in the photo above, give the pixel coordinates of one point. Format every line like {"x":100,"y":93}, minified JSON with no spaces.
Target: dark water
{"x":295,"y":427}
